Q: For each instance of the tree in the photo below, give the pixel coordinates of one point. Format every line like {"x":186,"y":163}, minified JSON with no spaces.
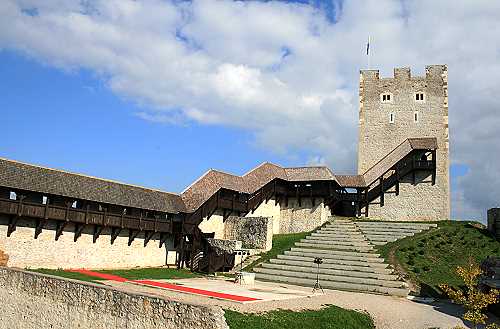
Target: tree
{"x":473,"y":299}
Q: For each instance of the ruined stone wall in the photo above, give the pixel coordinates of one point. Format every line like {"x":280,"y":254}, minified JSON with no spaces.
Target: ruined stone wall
{"x":378,"y":137}
{"x":32,"y":300}
{"x":303,"y":218}
{"x":253,"y":232}
{"x":24,"y":251}
{"x":214,"y":224}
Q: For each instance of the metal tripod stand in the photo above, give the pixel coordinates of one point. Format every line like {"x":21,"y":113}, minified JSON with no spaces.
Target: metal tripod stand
{"x":317,"y":285}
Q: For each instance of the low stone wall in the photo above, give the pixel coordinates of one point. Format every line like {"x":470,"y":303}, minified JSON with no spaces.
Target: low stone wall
{"x":253,"y":232}
{"x":31,"y":300}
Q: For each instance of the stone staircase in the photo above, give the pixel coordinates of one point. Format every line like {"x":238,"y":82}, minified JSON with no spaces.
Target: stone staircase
{"x":379,"y":233}
{"x":349,"y":262}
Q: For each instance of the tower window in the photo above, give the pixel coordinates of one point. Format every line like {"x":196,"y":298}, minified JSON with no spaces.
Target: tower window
{"x":415,"y":116}
{"x":419,"y":97}
{"x":385,"y":98}
{"x":391,"y":118}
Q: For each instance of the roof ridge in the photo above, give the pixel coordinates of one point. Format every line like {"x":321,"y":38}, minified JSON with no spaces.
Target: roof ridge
{"x":85,"y":175}
{"x":260,"y":165}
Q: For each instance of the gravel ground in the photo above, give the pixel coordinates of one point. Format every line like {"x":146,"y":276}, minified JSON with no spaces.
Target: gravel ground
{"x":387,"y":312}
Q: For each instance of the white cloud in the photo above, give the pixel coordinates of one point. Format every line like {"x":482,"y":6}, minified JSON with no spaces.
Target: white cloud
{"x":283,"y":71}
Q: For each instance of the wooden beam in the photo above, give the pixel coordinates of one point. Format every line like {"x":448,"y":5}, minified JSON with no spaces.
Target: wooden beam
{"x":397,"y":182}
{"x":132,"y":234}
{"x":60,"y":228}
{"x":367,"y":202}
{"x":12,"y":224}
{"x":381,"y":191}
{"x":78,"y":231}
{"x":97,"y":231}
{"x":40,"y":223}
{"x":434,"y":167}
{"x":115,"y":232}
{"x":163,"y":238}
{"x":147,"y":237}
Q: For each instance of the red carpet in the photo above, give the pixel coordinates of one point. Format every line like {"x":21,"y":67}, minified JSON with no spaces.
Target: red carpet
{"x":168,"y":286}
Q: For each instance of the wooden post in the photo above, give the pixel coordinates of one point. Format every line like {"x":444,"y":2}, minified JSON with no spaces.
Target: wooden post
{"x":381,"y":191}
{"x":367,"y":202}
{"x":434,"y":167}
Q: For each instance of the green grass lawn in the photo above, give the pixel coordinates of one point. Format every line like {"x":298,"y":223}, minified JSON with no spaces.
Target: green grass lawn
{"x":431,"y":257}
{"x":281,"y":243}
{"x":331,"y":317}
{"x":131,"y":274}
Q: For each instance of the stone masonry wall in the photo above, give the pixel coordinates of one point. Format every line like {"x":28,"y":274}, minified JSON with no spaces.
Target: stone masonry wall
{"x":253,"y":232}
{"x":32,"y":300}
{"x":214,"y":224}
{"x":24,"y":251}
{"x":295,"y":219}
{"x":271,"y":210}
{"x":377,"y":137}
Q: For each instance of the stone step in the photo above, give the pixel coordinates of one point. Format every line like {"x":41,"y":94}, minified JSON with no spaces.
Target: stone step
{"x":332,"y":246}
{"x":337,"y":252}
{"x":384,"y":230}
{"x":380,"y":243}
{"x":382,"y":234}
{"x":312,"y":268}
{"x":307,"y":261}
{"x":396,"y":225}
{"x":380,"y":227}
{"x":337,"y":236}
{"x":339,"y":229}
{"x":332,"y":278}
{"x":327,"y":258}
{"x":314,"y":239}
{"x":340,"y":234}
{"x":402,"y":292}
{"x":319,"y":236}
{"x":385,"y":238}
{"x":334,"y":269}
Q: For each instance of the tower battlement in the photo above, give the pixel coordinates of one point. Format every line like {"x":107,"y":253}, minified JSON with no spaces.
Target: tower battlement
{"x":404,"y":73}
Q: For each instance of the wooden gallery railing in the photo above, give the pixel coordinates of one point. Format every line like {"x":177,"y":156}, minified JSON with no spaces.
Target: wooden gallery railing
{"x":81,"y":218}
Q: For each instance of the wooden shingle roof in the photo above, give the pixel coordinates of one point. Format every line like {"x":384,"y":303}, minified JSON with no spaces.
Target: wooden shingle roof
{"x":22,"y":176}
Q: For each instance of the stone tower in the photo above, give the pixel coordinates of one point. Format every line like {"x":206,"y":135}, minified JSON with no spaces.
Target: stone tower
{"x":392,"y":110}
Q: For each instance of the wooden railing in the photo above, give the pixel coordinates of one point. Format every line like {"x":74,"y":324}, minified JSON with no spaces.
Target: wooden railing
{"x":17,"y":209}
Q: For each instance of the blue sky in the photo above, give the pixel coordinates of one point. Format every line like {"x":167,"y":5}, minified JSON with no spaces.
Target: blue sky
{"x":70,"y":120}
{"x":156,"y":92}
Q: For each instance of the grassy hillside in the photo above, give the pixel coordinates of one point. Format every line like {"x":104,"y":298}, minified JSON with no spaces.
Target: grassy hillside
{"x":331,"y":317}
{"x":431,"y":257}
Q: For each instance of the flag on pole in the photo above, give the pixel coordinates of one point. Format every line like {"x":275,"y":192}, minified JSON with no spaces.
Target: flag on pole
{"x":368,"y":47}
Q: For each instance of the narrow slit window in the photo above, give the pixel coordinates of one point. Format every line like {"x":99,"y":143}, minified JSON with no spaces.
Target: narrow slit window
{"x":415,"y":116}
{"x":391,"y":118}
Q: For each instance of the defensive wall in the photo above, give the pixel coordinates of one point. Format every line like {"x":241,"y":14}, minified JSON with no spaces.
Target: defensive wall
{"x":32,"y":300}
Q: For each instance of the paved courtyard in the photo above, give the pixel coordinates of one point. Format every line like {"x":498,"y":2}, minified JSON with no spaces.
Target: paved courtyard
{"x":388,"y":312}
